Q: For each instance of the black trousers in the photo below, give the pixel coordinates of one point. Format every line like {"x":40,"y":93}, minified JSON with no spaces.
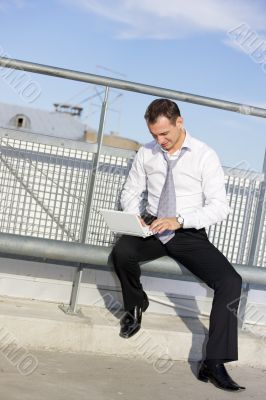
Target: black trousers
{"x":192,"y":248}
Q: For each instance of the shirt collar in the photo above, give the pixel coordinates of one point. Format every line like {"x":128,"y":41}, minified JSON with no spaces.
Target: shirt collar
{"x":187,"y":142}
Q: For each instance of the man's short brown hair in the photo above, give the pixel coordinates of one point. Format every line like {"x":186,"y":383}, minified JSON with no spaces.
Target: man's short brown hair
{"x":162,"y":107}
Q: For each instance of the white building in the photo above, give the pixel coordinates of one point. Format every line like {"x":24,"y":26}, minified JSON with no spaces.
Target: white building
{"x":51,"y":123}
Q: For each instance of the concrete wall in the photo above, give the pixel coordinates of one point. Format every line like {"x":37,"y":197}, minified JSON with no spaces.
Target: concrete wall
{"x":51,"y":282}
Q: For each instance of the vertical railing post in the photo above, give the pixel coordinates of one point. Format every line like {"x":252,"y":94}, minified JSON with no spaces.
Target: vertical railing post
{"x":258,"y":221}
{"x":72,"y":308}
{"x":243,"y":304}
{"x":254,"y":243}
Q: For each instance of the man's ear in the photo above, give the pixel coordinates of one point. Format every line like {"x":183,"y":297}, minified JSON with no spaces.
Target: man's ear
{"x":179,"y":120}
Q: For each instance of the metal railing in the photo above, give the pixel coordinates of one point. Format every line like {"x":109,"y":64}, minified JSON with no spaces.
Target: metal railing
{"x":47,"y":187}
{"x":98,"y":257}
{"x":131,"y":86}
{"x":51,"y":188}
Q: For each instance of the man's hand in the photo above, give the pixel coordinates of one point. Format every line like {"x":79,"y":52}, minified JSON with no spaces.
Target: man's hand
{"x":162,"y":224}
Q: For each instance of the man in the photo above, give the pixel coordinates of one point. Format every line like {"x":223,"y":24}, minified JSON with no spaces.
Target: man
{"x":186,"y":193}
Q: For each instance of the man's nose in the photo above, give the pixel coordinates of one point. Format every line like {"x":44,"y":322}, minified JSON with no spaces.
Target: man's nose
{"x":160,"y":140}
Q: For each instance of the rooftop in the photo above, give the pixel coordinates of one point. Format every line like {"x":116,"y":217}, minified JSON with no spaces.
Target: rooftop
{"x":50,"y":123}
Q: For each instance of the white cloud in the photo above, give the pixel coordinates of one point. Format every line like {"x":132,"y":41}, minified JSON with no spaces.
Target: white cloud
{"x":176,"y":18}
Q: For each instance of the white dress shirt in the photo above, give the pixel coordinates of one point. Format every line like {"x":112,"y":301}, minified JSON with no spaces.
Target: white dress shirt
{"x":198,"y":178}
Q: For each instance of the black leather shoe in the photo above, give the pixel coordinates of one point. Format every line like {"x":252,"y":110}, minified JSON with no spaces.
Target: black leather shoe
{"x":131,"y":322}
{"x":145,"y":303}
{"x":219,"y":377}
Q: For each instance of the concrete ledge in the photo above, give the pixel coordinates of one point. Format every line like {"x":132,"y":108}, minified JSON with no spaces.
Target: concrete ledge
{"x":43,"y":326}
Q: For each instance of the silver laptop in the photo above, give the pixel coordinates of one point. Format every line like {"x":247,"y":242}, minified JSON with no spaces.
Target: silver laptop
{"x":126,"y":223}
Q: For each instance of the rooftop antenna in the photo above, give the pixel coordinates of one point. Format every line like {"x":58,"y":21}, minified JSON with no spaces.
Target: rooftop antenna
{"x":112,"y":99}
{"x":98,"y":92}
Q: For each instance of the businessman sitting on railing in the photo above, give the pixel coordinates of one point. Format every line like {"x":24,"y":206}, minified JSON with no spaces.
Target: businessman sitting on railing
{"x":186,"y":193}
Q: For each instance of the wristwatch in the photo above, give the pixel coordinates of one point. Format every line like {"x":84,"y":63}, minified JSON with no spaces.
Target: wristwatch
{"x":180,"y":220}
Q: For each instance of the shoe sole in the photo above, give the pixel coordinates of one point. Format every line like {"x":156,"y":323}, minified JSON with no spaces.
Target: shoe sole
{"x":206,"y":379}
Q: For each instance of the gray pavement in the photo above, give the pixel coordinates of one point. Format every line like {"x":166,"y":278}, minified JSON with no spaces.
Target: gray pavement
{"x":72,"y":376}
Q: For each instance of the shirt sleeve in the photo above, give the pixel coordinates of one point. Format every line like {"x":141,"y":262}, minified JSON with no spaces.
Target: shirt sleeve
{"x":135,"y":186}
{"x":216,"y":207}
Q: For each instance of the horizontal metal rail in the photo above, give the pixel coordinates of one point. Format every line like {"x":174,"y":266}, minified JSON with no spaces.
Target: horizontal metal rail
{"x":98,"y":256}
{"x":131,"y":86}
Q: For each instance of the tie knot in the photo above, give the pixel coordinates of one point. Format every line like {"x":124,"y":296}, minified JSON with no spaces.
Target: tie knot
{"x":170,"y":163}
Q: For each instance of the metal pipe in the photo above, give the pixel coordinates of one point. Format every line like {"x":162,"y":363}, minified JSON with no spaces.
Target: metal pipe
{"x":72,"y":309}
{"x":98,"y":257}
{"x":132,"y":86}
{"x":95,"y":166}
{"x":258,"y":217}
{"x":73,"y":304}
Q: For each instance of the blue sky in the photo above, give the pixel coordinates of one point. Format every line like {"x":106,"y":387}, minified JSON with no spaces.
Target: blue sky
{"x":181,"y":45}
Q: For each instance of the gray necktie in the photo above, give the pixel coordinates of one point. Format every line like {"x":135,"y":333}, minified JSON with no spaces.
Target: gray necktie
{"x":167,"y":202}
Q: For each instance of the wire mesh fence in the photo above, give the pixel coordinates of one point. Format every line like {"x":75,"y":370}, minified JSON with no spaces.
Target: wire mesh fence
{"x":235,"y":235}
{"x":45,"y":181}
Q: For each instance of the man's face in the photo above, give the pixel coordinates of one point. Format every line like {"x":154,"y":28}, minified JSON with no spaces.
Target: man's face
{"x":166,"y":133}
